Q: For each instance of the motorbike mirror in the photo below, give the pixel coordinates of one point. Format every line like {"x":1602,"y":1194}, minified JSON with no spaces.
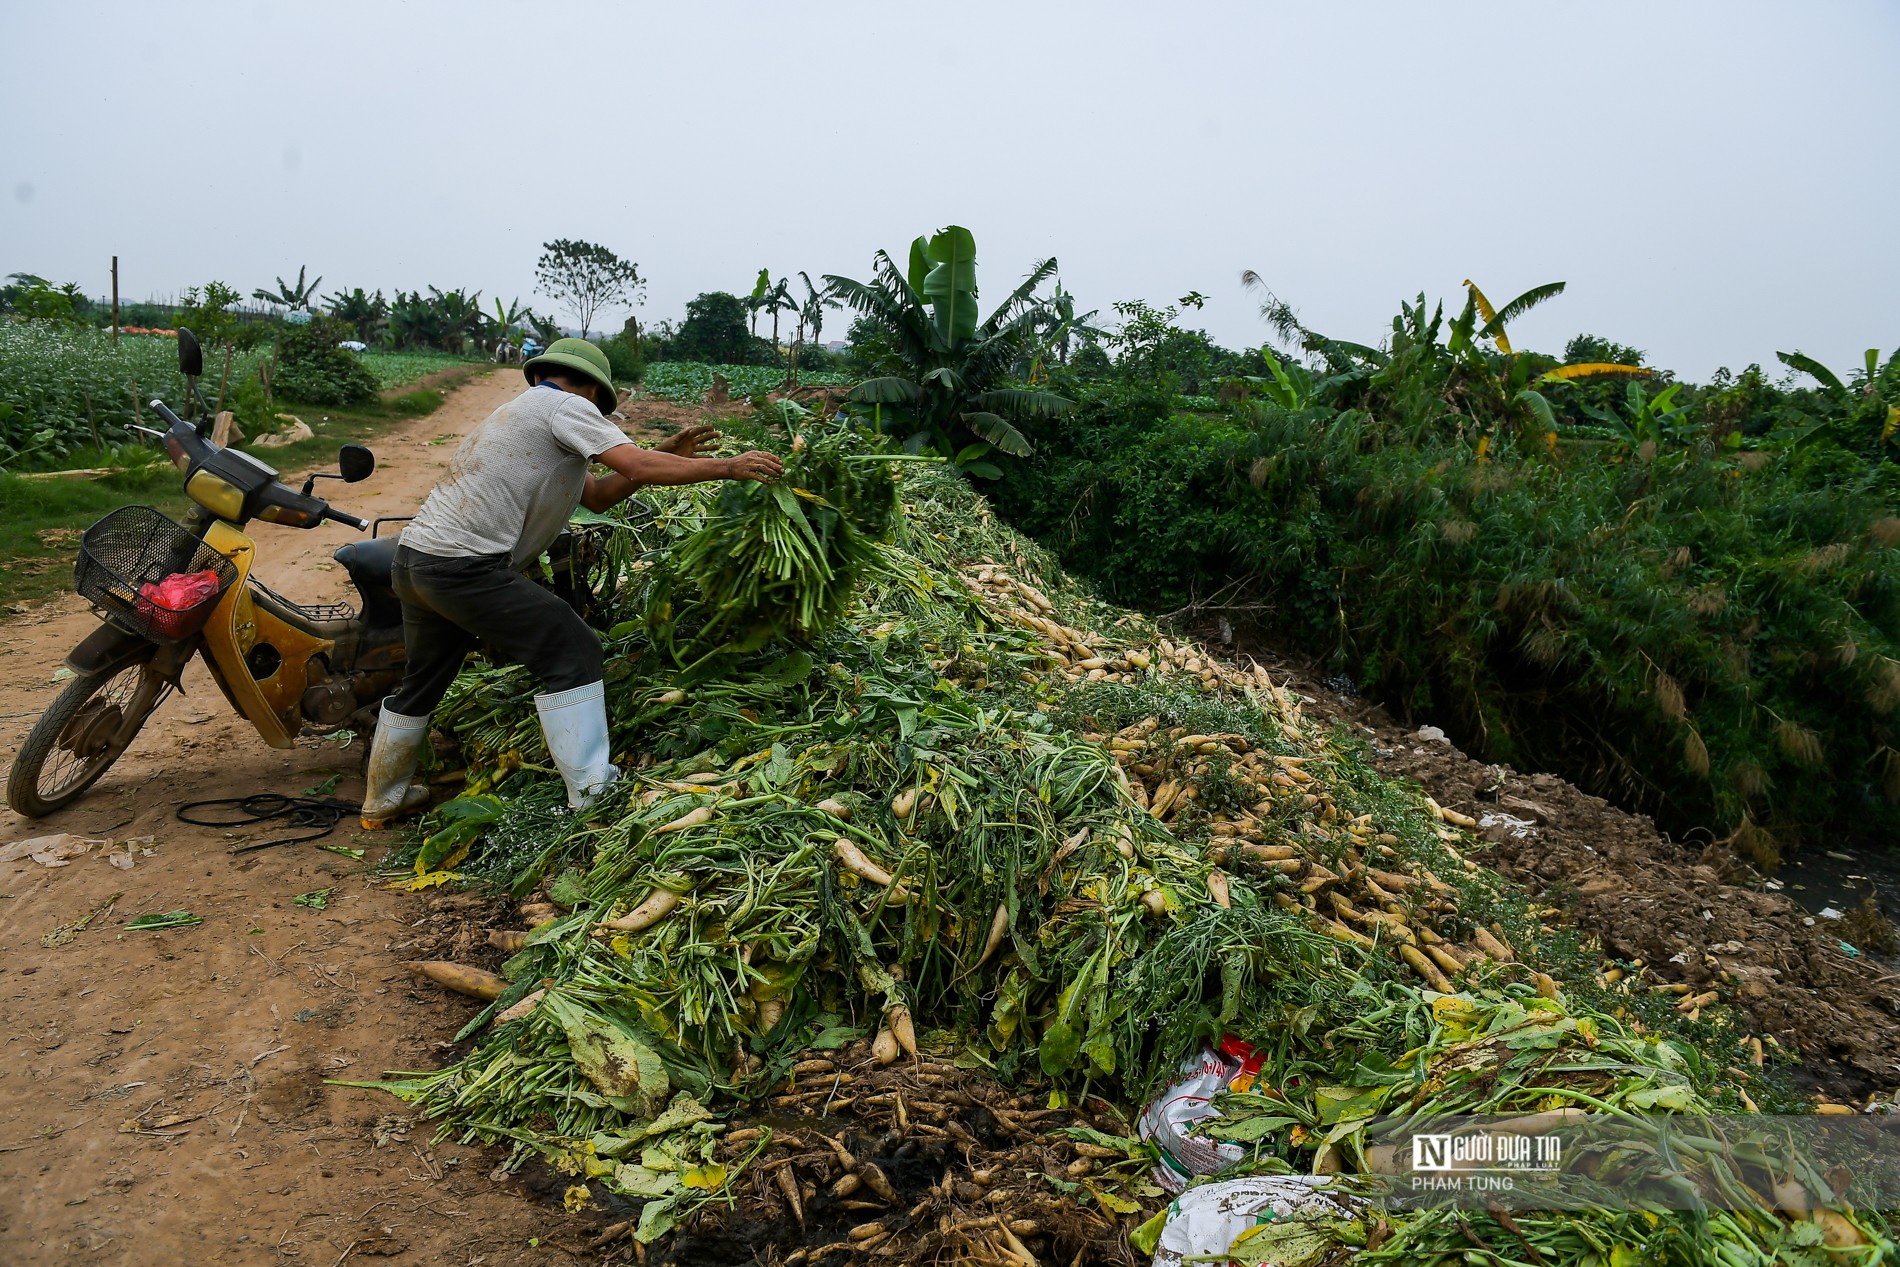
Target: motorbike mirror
{"x":191,"y":357}
{"x":355,"y":462}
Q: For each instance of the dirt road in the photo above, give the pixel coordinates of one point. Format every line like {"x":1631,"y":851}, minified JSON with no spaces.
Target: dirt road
{"x":162,"y":1095}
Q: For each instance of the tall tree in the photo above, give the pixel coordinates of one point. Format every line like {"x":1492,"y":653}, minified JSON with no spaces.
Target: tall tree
{"x":585,"y":277}
{"x":714,"y":330}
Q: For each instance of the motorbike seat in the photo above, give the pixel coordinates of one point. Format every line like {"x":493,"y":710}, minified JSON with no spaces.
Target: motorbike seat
{"x":369,"y":564}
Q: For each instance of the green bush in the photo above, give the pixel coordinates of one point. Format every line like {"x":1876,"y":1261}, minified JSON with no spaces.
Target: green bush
{"x":424,"y":400}
{"x":1706,"y":634}
{"x":624,"y":359}
{"x":311,"y":368}
{"x":815,"y":358}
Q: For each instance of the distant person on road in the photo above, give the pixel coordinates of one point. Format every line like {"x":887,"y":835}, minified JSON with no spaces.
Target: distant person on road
{"x":508,"y":492}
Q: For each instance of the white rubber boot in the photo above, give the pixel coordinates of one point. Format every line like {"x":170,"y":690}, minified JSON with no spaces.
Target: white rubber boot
{"x":393,"y":758}
{"x":575,"y":726}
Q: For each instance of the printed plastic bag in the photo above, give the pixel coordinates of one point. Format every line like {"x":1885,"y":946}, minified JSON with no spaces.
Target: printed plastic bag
{"x":1284,"y":1220}
{"x":1173,"y":1113}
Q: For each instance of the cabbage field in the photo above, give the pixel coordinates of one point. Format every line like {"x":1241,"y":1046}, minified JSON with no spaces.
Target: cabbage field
{"x":399,"y":369}
{"x":689,"y":381}
{"x":63,"y":386}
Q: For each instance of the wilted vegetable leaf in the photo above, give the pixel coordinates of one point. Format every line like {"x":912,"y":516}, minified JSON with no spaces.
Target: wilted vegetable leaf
{"x":707,"y":1178}
{"x":626,"y":1071}
{"x":170,"y":919}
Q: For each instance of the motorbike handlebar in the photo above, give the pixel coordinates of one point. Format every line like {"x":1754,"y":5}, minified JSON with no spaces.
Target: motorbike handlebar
{"x":347,"y":520}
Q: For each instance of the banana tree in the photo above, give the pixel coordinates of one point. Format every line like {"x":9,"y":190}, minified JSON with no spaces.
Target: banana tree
{"x":950,"y":377}
{"x":1653,"y":423}
{"x":297,"y":297}
{"x":508,"y":317}
{"x":1056,"y":325}
{"x":778,"y":300}
{"x":755,"y":302}
{"x":811,"y":316}
{"x":367,"y":313}
{"x":462,"y":316}
{"x":1514,"y":381}
{"x":1864,"y":408}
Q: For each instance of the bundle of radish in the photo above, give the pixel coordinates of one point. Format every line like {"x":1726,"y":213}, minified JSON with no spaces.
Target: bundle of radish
{"x":776,"y":561}
{"x":984,"y":818}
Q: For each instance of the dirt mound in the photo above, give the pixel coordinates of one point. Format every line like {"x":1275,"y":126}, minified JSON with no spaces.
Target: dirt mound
{"x":1698,"y":916}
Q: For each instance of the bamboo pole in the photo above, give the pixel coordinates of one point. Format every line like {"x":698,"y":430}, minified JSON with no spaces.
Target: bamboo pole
{"x":115,"y":308}
{"x":224,"y":379}
{"x":90,"y":424}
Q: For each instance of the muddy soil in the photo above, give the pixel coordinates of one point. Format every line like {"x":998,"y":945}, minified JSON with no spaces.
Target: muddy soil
{"x":1695,"y":914}
{"x":162,"y":1094}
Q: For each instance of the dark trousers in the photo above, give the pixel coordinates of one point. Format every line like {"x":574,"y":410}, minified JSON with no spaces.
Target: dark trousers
{"x":449,"y":605}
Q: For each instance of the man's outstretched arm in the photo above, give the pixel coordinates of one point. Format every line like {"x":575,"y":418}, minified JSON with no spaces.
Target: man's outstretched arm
{"x":634,"y":467}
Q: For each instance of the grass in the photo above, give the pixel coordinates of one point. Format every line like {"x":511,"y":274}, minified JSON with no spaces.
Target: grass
{"x":40,"y":520}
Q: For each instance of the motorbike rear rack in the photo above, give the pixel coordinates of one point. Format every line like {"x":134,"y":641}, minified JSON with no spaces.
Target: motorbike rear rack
{"x":318,"y":613}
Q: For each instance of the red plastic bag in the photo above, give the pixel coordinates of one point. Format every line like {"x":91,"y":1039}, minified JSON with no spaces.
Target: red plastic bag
{"x":181,"y":591}
{"x":168,"y":606}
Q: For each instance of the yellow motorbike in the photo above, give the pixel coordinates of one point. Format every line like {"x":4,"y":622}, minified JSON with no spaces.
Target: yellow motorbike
{"x":171,"y":591}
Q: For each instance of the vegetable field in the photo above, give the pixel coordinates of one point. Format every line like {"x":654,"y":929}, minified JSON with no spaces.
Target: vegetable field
{"x":689,"y":381}
{"x":399,"y":369}
{"x":59,"y":384}
{"x":62,"y":386}
{"x":980,"y":823}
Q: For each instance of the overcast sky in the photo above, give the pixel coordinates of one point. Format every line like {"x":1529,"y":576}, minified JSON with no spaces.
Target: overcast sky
{"x":1715,"y":181}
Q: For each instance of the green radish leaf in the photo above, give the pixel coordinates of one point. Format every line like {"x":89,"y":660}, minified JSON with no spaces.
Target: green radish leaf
{"x":1059,"y":1047}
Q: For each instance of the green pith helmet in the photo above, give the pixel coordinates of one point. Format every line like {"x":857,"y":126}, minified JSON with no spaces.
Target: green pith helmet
{"x":576,"y":354}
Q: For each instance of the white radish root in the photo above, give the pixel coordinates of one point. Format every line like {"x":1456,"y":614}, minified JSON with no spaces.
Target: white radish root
{"x":461,"y":978}
{"x":897,"y":1017}
{"x":999,"y":927}
{"x":522,"y":1006}
{"x":691,"y":818}
{"x":853,"y":859}
{"x":658,"y":905}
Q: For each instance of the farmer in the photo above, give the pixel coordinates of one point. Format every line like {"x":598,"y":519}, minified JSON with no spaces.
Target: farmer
{"x":509,"y":491}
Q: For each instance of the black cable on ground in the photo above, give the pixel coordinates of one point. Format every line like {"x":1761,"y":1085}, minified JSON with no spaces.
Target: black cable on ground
{"x":318,"y":816}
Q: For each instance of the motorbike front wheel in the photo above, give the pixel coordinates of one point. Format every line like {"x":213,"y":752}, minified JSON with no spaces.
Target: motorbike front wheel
{"x":80,"y":735}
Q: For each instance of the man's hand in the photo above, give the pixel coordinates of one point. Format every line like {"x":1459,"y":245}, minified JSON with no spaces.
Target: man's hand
{"x":763,"y":467}
{"x":693,"y":442}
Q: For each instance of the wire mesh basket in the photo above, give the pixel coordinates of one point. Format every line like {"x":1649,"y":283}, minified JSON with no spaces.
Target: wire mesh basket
{"x":149,"y":575}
